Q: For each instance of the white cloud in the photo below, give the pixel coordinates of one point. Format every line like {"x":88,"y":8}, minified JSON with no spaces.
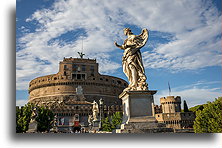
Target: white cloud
{"x":194,"y":94}
{"x":21,"y":102}
{"x":193,"y":25}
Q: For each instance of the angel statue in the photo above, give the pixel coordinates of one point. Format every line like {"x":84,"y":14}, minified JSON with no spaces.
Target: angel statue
{"x":132,"y":59}
{"x":34,"y":114}
{"x":95,"y":110}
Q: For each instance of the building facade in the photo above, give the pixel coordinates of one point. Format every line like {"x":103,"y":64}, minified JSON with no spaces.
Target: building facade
{"x":72,"y":90}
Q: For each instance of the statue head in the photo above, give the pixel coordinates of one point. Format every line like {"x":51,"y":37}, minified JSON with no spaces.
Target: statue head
{"x":127,"y":31}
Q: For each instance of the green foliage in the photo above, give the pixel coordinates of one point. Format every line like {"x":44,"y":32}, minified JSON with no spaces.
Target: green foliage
{"x":185,"y":107}
{"x":113,"y":123}
{"x":116,"y":120}
{"x":44,"y":119}
{"x":208,"y":120}
{"x":23,"y":117}
{"x":106,"y":125}
{"x":196,"y":108}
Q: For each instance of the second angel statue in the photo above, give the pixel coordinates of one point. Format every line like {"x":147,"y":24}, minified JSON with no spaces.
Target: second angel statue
{"x":132,"y":59}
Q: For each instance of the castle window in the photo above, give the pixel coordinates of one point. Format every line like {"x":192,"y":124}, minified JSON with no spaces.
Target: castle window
{"x":83,"y":76}
{"x":55,"y":78}
{"x":65,"y":66}
{"x":79,"y":76}
{"x":64,"y":73}
{"x":83,"y":67}
{"x":74,"y":67}
{"x":92,"y":68}
{"x":107,"y":80}
{"x":119,"y":82}
{"x":101,"y":79}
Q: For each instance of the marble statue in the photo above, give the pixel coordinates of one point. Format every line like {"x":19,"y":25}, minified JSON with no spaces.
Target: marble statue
{"x":34,"y":114}
{"x":95,"y":110}
{"x":90,"y":120}
{"x":132,"y":59}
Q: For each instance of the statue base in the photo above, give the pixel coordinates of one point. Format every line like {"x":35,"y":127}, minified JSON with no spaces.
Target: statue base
{"x":96,"y":123}
{"x":32,"y":127}
{"x":54,"y":130}
{"x":136,"y":104}
{"x":138,"y":113}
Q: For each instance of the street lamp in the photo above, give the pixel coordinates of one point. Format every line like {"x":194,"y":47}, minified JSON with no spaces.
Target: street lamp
{"x":101,"y":112}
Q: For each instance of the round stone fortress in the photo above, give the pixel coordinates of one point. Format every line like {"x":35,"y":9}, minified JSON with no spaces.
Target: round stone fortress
{"x":70,"y":93}
{"x":78,"y":79}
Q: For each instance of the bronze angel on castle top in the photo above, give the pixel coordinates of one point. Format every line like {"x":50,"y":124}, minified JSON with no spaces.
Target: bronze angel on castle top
{"x":132,"y":59}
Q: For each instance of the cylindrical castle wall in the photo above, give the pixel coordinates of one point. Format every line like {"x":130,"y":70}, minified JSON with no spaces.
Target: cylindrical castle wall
{"x":170,"y":104}
{"x":108,"y":89}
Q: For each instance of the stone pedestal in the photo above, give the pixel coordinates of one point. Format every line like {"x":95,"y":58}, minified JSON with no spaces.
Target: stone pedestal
{"x":96,"y":123}
{"x":136,"y":104}
{"x":138,"y":116}
{"x":32,"y":127}
{"x":54,"y":130}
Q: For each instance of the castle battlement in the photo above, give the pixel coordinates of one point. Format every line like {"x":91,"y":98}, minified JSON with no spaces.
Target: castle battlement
{"x":170,"y":99}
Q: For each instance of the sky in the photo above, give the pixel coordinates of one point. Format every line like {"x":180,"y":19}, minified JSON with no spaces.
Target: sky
{"x":184,"y":45}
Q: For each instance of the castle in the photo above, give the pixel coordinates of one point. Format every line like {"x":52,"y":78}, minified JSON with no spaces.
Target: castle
{"x":71,"y":91}
{"x":169,"y":112}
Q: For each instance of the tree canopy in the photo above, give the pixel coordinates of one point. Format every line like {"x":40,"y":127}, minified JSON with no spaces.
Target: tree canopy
{"x":208,"y":118}
{"x":113,"y":122}
{"x":23,"y":115}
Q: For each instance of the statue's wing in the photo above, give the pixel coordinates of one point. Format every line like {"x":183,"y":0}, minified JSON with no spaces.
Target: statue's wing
{"x":141,"y":39}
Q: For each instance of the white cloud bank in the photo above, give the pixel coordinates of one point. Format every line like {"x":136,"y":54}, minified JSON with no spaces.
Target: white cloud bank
{"x":194,"y":94}
{"x":194,"y":25}
{"x":21,"y":102}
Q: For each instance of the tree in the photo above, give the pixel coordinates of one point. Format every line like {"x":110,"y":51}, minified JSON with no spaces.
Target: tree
{"x":185,"y":107}
{"x":23,"y":115}
{"x":208,"y":120}
{"x":116,"y":120}
{"x":196,"y":108}
{"x":44,"y":119}
{"x":106,"y":125}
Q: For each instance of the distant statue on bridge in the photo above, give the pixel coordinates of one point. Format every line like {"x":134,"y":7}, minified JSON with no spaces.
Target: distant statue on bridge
{"x":95,"y":110}
{"x":132,"y":59}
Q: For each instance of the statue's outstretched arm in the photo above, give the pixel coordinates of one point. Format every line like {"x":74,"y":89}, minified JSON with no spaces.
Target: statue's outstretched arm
{"x":119,"y":46}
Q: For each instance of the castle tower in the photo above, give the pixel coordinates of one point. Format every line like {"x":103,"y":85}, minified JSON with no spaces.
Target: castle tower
{"x":170,"y":104}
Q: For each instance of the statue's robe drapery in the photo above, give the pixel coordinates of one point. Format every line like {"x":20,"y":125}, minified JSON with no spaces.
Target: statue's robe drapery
{"x":132,"y":56}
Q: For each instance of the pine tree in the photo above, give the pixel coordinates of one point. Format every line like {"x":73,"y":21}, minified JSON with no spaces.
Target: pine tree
{"x":185,"y":107}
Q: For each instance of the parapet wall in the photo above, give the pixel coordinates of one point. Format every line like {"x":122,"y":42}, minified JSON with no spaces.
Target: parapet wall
{"x":170,"y":99}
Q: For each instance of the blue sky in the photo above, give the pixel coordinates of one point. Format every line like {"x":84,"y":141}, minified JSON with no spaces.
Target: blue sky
{"x":184,"y":45}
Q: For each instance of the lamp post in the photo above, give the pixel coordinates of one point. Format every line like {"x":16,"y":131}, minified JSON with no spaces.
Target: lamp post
{"x":101,"y":113}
